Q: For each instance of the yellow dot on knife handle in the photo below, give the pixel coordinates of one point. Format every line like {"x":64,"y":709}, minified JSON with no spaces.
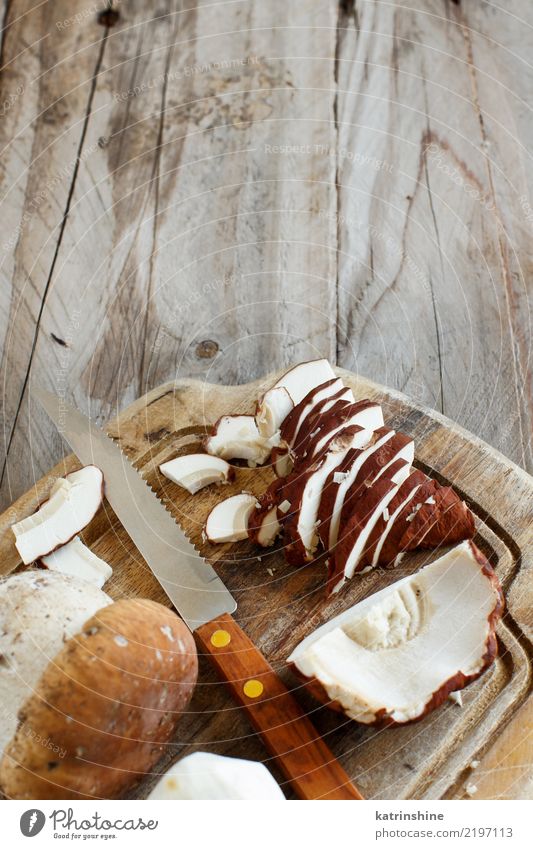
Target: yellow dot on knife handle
{"x":219,"y":639}
{"x":253,"y":688}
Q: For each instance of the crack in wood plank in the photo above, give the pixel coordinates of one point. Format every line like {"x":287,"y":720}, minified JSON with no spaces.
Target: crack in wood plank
{"x":56,"y":250}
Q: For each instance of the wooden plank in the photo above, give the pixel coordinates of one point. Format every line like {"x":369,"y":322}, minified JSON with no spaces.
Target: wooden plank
{"x":431,"y":293}
{"x":47,"y":91}
{"x":187,"y":236}
{"x":278,"y":607}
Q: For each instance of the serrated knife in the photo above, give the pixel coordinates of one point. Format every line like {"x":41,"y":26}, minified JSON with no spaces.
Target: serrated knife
{"x":206,"y":605}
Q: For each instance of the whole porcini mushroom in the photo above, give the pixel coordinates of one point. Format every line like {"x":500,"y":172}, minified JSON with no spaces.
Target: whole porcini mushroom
{"x":106,"y":703}
{"x":203,"y":775}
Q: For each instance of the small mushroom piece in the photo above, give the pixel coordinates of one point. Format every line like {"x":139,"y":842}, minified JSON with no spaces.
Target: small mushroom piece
{"x":77,"y":559}
{"x":204,"y":775}
{"x":228,"y":521}
{"x":272,"y":410}
{"x":72,"y":504}
{"x":238,"y":438}
{"x":398,"y":654}
{"x":195,"y":471}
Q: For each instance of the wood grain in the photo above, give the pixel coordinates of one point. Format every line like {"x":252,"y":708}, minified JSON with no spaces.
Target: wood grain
{"x":214,"y":190}
{"x":299,"y":753}
{"x":277,"y":606}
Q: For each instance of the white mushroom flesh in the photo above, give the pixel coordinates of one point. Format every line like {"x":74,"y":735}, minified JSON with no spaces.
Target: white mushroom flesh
{"x":195,"y":471}
{"x":76,"y":559}
{"x":389,"y":654}
{"x":301,"y":379}
{"x":228,"y":521}
{"x":238,"y":438}
{"x":72,"y":504}
{"x":204,"y":775}
{"x":272,"y":410}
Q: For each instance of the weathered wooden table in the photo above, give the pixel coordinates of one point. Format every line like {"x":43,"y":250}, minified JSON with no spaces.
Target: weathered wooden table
{"x":218,"y":189}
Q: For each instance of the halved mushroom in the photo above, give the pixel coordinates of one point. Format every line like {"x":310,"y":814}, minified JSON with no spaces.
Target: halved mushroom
{"x":228,"y":521}
{"x":272,"y":410}
{"x":76,"y":559}
{"x":300,"y":379}
{"x":238,"y":438}
{"x":194,"y":471}
{"x":71,"y":506}
{"x":397,"y":655}
{"x":395,"y":514}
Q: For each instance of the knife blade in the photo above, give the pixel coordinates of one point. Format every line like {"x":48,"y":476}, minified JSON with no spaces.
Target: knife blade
{"x":191,"y":584}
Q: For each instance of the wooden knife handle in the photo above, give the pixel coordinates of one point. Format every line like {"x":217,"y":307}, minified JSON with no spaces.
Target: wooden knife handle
{"x":299,"y":751}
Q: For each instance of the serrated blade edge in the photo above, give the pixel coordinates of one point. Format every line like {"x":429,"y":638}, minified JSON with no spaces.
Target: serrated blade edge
{"x":191,"y":584}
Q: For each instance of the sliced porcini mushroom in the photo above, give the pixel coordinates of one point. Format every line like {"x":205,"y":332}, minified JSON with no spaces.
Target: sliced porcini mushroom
{"x":313,"y":402}
{"x":204,"y":775}
{"x":301,"y":379}
{"x":76,"y":559}
{"x":195,"y":471}
{"x":228,"y":521}
{"x":272,"y":410}
{"x":40,"y":612}
{"x":238,"y":438}
{"x":396,"y":514}
{"x":360,"y":465}
{"x":304,"y":490}
{"x":341,"y":417}
{"x":397,"y":655}
{"x":264,"y":525}
{"x":71,"y":506}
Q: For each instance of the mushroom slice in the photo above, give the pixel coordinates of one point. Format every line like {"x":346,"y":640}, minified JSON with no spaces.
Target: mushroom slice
{"x":76,"y":559}
{"x":263,"y":525}
{"x":204,"y":775}
{"x":272,"y":410}
{"x":228,"y":521}
{"x":397,"y":655}
{"x":300,"y":379}
{"x":71,"y":506}
{"x":238,"y":438}
{"x":360,"y":465}
{"x":342,"y":416}
{"x":314,"y":401}
{"x":399,"y":513}
{"x":304,"y":491}
{"x":194,"y":471}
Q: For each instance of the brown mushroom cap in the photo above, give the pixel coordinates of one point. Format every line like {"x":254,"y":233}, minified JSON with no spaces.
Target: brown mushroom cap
{"x":104,"y":707}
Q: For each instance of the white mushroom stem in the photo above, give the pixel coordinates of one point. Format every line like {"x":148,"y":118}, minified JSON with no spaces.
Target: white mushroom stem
{"x":76,"y":559}
{"x":195,"y":471}
{"x":228,"y":521}
{"x":72,"y":504}
{"x":204,"y":775}
{"x":272,"y":410}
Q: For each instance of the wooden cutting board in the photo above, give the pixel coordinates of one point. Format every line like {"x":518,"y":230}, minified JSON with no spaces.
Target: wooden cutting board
{"x":278,"y":605}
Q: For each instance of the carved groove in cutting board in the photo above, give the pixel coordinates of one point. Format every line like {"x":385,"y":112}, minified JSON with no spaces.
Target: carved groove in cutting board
{"x":424,"y":760}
